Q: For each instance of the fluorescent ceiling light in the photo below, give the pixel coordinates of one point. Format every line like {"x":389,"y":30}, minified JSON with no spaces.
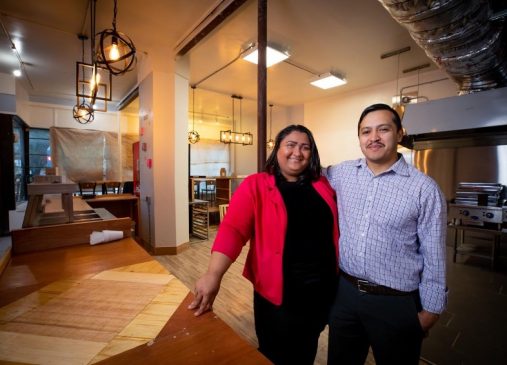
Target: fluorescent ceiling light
{"x":273,"y":56}
{"x":329,"y":80}
{"x":16,"y":73}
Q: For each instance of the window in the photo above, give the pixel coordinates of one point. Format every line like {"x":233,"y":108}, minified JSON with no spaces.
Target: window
{"x":207,"y":158}
{"x":39,"y":152}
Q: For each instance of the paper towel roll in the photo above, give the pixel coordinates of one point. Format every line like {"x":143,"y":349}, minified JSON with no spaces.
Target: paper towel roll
{"x":105,"y":236}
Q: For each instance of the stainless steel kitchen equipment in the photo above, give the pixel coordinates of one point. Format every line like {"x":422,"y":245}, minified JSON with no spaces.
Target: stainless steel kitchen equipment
{"x":460,"y":141}
{"x":479,"y":208}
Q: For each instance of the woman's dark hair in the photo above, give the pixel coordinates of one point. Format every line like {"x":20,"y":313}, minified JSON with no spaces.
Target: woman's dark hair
{"x":373,"y":108}
{"x":312,"y":172}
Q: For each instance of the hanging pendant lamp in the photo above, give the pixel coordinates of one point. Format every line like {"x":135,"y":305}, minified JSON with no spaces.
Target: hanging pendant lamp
{"x":193,"y":136}
{"x":83,"y":112}
{"x":116,"y":50}
{"x":232,"y":136}
{"x":270,"y":143}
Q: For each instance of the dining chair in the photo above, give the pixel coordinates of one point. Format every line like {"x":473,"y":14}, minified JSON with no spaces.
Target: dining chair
{"x":128,"y":187}
{"x":222,"y":208}
{"x":210,"y":190}
{"x":87,"y":189}
{"x":112,"y":187}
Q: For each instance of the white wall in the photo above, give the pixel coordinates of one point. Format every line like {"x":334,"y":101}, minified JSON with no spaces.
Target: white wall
{"x":129,"y":123}
{"x":21,"y":101}
{"x":47,"y":115}
{"x":7,"y":84}
{"x":333,"y":120}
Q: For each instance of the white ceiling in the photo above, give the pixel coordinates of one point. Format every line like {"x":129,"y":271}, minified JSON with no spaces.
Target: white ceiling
{"x":321,"y":35}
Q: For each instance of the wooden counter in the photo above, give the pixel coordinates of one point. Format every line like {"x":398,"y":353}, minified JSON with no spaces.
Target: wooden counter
{"x":119,"y":205}
{"x":111,"y":303}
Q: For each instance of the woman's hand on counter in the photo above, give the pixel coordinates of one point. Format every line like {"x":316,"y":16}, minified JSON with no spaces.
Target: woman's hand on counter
{"x":206,"y":289}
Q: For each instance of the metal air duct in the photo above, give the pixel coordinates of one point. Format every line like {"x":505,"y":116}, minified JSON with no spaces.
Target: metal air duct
{"x":460,"y":36}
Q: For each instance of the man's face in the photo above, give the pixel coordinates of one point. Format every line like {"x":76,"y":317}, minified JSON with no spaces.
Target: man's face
{"x":379,"y":138}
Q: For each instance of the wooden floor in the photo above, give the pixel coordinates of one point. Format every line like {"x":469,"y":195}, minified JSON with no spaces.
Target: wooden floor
{"x":235,"y":299}
{"x":109,"y":304}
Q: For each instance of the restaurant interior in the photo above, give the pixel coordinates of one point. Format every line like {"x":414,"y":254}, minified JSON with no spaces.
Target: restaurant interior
{"x":141,"y":152}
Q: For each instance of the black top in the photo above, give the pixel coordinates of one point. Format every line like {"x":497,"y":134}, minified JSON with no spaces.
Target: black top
{"x":309,"y":258}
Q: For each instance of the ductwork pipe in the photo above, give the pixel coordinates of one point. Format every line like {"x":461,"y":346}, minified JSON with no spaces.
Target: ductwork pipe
{"x":460,"y":37}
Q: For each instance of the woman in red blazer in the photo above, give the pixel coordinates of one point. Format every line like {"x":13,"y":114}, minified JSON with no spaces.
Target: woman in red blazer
{"x":289,"y":215}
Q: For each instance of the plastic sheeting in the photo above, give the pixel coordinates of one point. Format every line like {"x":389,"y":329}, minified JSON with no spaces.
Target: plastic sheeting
{"x":90,"y":155}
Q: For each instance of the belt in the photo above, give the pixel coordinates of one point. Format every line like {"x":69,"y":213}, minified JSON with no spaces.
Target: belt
{"x":365,"y":286}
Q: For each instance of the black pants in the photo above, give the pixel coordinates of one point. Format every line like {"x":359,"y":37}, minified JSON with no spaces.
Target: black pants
{"x":289,"y":335}
{"x":389,"y":324}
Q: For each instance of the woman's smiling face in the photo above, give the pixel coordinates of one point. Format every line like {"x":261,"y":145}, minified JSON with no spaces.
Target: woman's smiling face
{"x":294,"y":154}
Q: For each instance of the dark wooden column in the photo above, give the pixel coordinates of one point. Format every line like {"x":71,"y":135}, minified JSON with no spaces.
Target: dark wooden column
{"x":262,"y":31}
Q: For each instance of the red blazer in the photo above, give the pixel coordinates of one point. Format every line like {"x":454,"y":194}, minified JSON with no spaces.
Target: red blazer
{"x":257,"y":213}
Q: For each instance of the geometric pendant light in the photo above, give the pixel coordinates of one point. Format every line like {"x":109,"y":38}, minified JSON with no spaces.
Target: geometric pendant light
{"x":83,"y":111}
{"x":270,"y":144}
{"x":233,"y":136}
{"x":193,"y":135}
{"x":116,"y":51}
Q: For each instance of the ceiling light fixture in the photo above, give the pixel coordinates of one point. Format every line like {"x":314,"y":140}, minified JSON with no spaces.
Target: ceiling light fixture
{"x":273,"y":55}
{"x":328,"y":80}
{"x":16,"y":73}
{"x":271,"y":143}
{"x":231,"y":136}
{"x":83,"y":112}
{"x":116,"y":50}
{"x":193,"y":136}
{"x":93,"y":82}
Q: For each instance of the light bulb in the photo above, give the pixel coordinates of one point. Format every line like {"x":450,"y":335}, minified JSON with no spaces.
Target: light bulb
{"x":95,"y":80}
{"x":114,"y":53}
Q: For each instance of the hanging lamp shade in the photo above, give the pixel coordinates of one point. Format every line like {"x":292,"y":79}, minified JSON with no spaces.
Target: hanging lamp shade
{"x":116,"y":50}
{"x":193,"y":137}
{"x":83,"y":113}
{"x":236,"y":137}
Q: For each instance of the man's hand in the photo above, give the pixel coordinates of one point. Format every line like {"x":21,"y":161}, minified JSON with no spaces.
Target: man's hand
{"x":427,"y":319}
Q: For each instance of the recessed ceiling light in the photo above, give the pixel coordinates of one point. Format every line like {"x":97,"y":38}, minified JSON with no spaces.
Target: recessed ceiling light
{"x":16,"y":73}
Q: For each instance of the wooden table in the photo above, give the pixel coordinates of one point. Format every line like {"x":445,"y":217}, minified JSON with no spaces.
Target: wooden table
{"x":109,"y":303}
{"x":119,"y":205}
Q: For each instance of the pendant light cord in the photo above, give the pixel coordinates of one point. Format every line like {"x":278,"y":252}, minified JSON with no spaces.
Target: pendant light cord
{"x":193,"y":108}
{"x":82,"y":37}
{"x":115,"y":11}
{"x":398,"y":79}
{"x":270,"y":119}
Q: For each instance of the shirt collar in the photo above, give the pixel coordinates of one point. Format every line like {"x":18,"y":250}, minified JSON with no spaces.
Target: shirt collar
{"x":400,"y":167}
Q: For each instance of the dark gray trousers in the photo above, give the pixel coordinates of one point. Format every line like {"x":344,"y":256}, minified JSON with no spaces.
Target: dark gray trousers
{"x":389,"y":324}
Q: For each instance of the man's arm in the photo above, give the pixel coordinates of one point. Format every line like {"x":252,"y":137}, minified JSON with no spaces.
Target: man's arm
{"x":432,"y":228}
